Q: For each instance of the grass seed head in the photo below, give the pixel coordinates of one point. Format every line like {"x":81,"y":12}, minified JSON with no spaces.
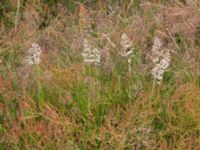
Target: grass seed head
{"x":91,"y":55}
{"x":126,"y":45}
{"x":161,"y":59}
{"x":34,"y":53}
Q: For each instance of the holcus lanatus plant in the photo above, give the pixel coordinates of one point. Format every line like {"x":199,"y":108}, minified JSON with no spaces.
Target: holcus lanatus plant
{"x":34,"y":53}
{"x":127,"y":49}
{"x":161,"y":59}
{"x":91,"y":55}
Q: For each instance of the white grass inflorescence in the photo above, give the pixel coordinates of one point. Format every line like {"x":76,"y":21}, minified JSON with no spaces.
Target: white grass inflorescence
{"x":91,"y":55}
{"x":161,"y":59}
{"x":155,"y":51}
{"x":34,"y":53}
{"x":127,"y":48}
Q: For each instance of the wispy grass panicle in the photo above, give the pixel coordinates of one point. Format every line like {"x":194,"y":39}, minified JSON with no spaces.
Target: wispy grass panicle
{"x":34,"y":53}
{"x":126,"y":45}
{"x":91,"y":55}
{"x":161,"y":67}
{"x":161,"y":59}
{"x":155,"y":51}
{"x":127,"y":49}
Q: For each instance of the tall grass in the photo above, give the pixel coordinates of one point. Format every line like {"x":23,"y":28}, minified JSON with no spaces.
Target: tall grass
{"x":99,"y":94}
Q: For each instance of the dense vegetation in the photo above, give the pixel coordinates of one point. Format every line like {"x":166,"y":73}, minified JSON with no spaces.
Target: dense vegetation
{"x":98,"y":74}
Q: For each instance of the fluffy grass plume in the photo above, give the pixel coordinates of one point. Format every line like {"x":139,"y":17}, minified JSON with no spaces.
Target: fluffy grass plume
{"x":90,"y":55}
{"x":161,"y":58}
{"x":34,"y":53}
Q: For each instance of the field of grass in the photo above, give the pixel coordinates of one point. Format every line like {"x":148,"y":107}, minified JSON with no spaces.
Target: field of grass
{"x":99,"y":74}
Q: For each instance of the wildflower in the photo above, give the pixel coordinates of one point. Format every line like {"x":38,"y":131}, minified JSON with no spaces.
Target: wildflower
{"x":90,"y":55}
{"x":161,"y":60}
{"x":34,"y":53}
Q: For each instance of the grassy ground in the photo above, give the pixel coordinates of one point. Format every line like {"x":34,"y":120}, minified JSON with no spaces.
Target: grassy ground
{"x":63,"y":103}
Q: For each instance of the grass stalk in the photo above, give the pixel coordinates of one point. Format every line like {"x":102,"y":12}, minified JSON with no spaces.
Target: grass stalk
{"x":153,"y":88}
{"x":17,"y":14}
{"x":39,"y":95}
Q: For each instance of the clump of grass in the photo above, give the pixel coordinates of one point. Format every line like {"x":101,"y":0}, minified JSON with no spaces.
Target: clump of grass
{"x":111,"y":105}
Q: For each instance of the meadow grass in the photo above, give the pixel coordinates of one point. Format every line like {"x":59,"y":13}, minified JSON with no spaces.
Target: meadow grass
{"x":64,"y":103}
